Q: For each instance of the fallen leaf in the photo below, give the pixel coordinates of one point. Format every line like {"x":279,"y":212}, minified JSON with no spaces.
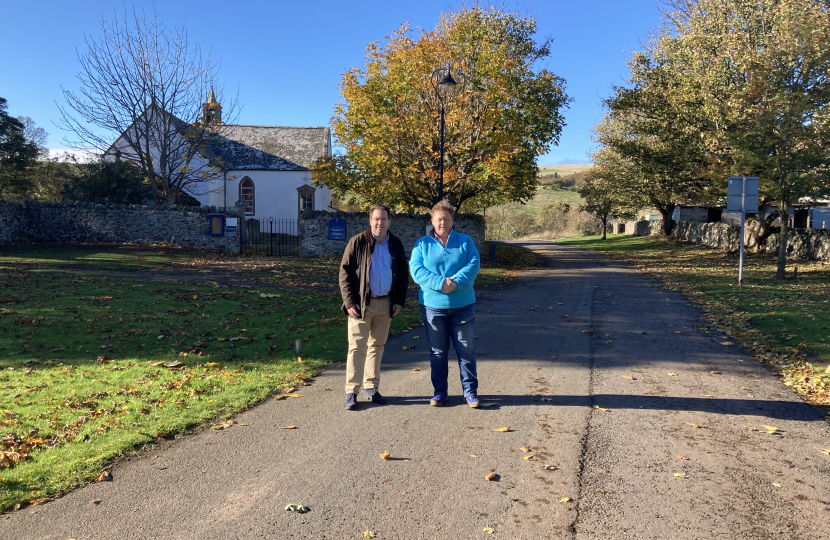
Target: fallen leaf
{"x":672,"y":374}
{"x":105,"y":476}
{"x":524,"y":449}
{"x":299,"y":359}
{"x":680,"y":475}
{"x":501,"y":430}
{"x":771,"y":430}
{"x":565,"y":500}
{"x":405,"y":348}
{"x":416,"y":369}
{"x":694,"y":425}
{"x":294,"y":395}
{"x":289,"y":427}
{"x":726,"y":343}
{"x":776,"y":484}
{"x":489,"y":530}
{"x":385,"y":455}
{"x":96,"y":501}
{"x":280,"y":398}
{"x":527,"y":457}
{"x":682,"y":457}
{"x":490,"y":477}
{"x":629,"y":377}
{"x":553,"y":358}
{"x":603,"y":409}
{"x":550,"y":467}
{"x":715,"y":372}
{"x":473,"y":456}
{"x":545,"y":399}
{"x":367,"y":533}
{"x":824,"y":450}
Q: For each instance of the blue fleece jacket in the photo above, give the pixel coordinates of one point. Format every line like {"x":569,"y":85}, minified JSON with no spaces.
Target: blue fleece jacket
{"x":431,"y":262}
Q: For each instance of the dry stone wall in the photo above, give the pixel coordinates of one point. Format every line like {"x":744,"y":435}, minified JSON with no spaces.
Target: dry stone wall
{"x":12,"y":223}
{"x":89,"y":222}
{"x":407,"y":227}
{"x":801,"y":244}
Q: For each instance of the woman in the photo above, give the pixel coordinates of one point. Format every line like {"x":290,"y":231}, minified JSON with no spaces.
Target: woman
{"x":444,"y":264}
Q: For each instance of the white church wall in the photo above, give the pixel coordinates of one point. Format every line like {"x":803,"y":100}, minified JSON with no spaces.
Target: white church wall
{"x":275,"y":193}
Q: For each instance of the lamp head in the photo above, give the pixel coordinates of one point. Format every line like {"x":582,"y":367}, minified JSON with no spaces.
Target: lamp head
{"x":447,"y":84}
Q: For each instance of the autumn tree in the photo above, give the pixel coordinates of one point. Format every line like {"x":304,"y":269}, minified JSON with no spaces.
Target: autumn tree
{"x":763,"y":66}
{"x":141,"y":96}
{"x":505,"y":111}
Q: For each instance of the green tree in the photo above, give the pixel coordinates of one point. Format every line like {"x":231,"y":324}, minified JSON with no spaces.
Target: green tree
{"x":760,"y":71}
{"x":17,"y":155}
{"x":599,"y":201}
{"x":651,"y":135}
{"x":505,"y":111}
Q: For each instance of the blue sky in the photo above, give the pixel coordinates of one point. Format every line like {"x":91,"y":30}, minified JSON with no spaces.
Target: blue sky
{"x":287,"y":58}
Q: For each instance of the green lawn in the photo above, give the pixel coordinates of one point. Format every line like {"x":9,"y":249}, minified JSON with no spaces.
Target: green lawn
{"x":784,"y":323}
{"x":93,"y":368}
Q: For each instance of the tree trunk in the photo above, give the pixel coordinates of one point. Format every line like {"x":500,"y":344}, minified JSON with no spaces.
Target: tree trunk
{"x":604,"y":225}
{"x":666,"y":213}
{"x":781,"y":271}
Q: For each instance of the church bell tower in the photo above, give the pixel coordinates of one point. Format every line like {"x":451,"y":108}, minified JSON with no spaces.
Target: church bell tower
{"x":212,"y":110}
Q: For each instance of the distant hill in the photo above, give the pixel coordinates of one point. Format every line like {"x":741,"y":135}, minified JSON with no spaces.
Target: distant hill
{"x":548,"y":171}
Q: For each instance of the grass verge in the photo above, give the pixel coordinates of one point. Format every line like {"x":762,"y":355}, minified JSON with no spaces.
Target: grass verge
{"x":782,"y":323}
{"x":94,"y":368}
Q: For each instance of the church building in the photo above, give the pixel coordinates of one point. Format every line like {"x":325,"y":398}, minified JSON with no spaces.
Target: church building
{"x":267,"y":168}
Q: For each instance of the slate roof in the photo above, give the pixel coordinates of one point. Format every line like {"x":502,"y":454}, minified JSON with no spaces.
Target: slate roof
{"x":270,"y":148}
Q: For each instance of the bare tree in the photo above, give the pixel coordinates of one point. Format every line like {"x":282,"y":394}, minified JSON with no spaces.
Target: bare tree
{"x":152,"y":92}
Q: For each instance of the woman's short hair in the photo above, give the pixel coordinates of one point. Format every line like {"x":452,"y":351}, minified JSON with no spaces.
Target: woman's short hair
{"x":443,"y":206}
{"x":380,"y":207}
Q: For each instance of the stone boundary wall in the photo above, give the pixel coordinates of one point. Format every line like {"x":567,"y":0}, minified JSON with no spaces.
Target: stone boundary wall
{"x":644,"y":228}
{"x":12,"y":223}
{"x":407,"y":227}
{"x":802,"y":244}
{"x":89,"y":222}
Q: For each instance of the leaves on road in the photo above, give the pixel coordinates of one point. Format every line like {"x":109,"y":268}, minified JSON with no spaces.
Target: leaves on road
{"x":680,"y":475}
{"x":385,"y":455}
{"x":696,"y":426}
{"x":289,"y":427}
{"x":105,"y":476}
{"x":681,"y":457}
{"x":629,"y":377}
{"x":603,"y":409}
{"x":527,"y":457}
{"x":490,"y":477}
{"x":501,"y":430}
{"x":367,"y":533}
{"x":726,"y":343}
{"x":489,"y":530}
{"x":564,"y":500}
{"x":524,"y":449}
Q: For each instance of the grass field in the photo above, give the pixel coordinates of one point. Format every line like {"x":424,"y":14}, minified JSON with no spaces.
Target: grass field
{"x":563,"y":170}
{"x":783,"y":323}
{"x":95,"y":365}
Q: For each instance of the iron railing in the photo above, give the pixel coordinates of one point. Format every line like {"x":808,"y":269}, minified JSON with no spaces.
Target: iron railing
{"x":272,"y":237}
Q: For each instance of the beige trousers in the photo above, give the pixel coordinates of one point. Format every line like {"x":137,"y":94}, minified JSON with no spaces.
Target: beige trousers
{"x":367,"y":338}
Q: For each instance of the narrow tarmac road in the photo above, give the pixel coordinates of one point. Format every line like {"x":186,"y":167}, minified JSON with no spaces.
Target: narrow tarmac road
{"x":604,"y":376}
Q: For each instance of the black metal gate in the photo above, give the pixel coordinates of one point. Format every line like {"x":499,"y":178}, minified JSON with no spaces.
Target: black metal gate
{"x":272,"y":237}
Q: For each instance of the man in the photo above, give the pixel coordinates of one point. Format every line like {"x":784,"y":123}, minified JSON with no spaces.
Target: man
{"x":374,"y":276}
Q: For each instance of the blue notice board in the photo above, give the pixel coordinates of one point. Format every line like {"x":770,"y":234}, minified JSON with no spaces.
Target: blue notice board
{"x":337,"y":229}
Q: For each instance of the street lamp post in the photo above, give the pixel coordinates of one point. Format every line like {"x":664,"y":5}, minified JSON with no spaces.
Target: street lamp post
{"x":443,"y":87}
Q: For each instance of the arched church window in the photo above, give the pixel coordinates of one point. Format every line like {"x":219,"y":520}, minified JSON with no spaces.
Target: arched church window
{"x":246,"y":195}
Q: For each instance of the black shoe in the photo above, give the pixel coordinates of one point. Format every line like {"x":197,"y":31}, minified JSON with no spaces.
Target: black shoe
{"x":377,"y":398}
{"x":351,"y":402}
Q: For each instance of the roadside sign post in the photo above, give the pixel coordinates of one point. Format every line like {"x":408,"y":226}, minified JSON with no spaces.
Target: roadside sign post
{"x":742,"y":196}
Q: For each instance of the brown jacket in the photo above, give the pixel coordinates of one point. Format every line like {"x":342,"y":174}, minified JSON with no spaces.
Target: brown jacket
{"x":354,"y":272}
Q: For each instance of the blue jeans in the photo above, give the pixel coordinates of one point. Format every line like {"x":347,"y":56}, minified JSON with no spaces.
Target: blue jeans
{"x":458,"y":325}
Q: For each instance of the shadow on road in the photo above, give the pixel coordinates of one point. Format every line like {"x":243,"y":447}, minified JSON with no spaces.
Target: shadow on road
{"x":783,"y":410}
